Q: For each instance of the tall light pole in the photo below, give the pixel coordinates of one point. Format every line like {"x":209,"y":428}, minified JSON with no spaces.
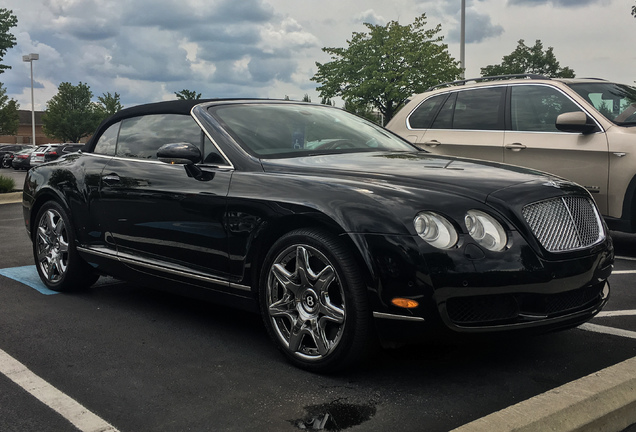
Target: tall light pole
{"x":462,"y":40}
{"x":29,"y":58}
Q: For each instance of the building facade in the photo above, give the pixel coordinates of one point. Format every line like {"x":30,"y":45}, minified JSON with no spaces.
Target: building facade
{"x":25,"y":132}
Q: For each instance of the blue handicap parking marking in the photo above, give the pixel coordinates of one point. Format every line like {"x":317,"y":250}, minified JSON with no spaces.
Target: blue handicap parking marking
{"x":27,"y":275}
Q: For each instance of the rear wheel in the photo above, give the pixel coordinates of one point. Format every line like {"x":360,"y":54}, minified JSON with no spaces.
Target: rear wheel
{"x":59,"y":265}
{"x":314,"y":301}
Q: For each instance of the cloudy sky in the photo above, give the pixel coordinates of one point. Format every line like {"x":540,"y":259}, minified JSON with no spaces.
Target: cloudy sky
{"x":146,"y":50}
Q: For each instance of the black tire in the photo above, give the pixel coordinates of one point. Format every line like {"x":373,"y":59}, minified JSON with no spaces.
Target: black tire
{"x":314,"y":302}
{"x":6,"y":163}
{"x":59,"y":265}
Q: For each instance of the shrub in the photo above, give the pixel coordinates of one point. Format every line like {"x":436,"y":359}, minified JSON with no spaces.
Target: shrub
{"x":6,"y":184}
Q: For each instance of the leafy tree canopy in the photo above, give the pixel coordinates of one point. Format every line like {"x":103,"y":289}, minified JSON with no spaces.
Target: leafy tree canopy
{"x":108,"y":104}
{"x":70,"y":115}
{"x":9,"y":118}
{"x":387,"y":65}
{"x":525,"y":59}
{"x":362,"y":109}
{"x":327,"y":101}
{"x":187,"y":95}
{"x":7,"y":40}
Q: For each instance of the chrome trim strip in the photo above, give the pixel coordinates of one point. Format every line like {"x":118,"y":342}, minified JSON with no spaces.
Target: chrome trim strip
{"x":107,"y":253}
{"x":164,"y":268}
{"x":193,"y":114}
{"x":397,"y":317}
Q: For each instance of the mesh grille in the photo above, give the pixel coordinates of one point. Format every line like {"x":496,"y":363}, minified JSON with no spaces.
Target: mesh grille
{"x":511,"y":308}
{"x":564,"y":224}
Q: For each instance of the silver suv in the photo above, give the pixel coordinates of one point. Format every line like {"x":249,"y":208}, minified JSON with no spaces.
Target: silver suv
{"x":580,"y":129}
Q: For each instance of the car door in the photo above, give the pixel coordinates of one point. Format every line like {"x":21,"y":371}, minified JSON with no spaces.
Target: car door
{"x":534,"y":141}
{"x":469,"y":123}
{"x":159,"y":218}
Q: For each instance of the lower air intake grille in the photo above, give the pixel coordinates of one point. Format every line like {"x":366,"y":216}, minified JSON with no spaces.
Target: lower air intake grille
{"x":564,"y":224}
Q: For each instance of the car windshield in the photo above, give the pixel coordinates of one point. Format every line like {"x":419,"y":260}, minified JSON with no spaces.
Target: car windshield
{"x":274,"y":130}
{"x":617,"y":102}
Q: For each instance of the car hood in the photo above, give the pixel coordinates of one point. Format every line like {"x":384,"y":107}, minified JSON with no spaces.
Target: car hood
{"x":468,"y":177}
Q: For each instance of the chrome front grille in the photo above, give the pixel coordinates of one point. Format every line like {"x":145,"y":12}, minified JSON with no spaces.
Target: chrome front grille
{"x":564,"y":224}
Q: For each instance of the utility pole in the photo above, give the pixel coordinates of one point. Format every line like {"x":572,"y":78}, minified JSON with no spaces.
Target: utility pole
{"x":462,"y":40}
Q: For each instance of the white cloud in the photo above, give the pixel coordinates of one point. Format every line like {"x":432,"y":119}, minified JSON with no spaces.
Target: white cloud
{"x":371,"y":17}
{"x":145,"y":50}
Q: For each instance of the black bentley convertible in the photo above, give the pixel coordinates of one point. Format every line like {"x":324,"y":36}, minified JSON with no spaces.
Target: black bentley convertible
{"x":336,"y":230}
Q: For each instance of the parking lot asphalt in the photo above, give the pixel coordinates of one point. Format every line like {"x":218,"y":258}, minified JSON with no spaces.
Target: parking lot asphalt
{"x":603,"y":399}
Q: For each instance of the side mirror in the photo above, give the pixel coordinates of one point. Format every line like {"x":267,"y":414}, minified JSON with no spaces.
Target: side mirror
{"x":577,"y":122}
{"x":182,"y":153}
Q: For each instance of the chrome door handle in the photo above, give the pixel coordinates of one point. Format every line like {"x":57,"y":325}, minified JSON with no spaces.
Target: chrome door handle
{"x":515,"y":146}
{"x":110,"y":178}
{"x":432,"y":143}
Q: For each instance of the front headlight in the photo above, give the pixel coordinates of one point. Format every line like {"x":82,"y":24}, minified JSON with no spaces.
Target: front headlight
{"x":485,"y":230}
{"x":436,"y":230}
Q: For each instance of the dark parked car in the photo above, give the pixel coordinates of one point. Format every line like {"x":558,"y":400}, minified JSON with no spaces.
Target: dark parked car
{"x":7,"y":159}
{"x":22,"y":159}
{"x":10,"y":149}
{"x":335,"y":229}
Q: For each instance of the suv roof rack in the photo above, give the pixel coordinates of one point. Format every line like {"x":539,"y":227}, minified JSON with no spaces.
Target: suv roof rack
{"x":488,"y":78}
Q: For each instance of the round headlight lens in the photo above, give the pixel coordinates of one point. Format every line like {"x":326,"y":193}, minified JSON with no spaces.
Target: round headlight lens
{"x":485,"y":230}
{"x":435,"y":230}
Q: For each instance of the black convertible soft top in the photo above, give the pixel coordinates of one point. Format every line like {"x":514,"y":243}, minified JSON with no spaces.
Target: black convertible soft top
{"x":165,"y":107}
{"x":183,"y":107}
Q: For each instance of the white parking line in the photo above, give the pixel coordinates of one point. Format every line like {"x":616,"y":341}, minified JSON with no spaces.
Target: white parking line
{"x":615,"y":272}
{"x":608,"y":330}
{"x":625,"y":258}
{"x":70,"y":409}
{"x":616,"y":313}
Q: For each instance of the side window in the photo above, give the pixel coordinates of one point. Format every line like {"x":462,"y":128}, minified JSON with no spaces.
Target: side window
{"x":211,"y":153}
{"x":444,"y":119}
{"x":108,"y":141}
{"x":423,"y":116}
{"x":480,"y":109}
{"x":535,"y":108}
{"x":141,"y":137}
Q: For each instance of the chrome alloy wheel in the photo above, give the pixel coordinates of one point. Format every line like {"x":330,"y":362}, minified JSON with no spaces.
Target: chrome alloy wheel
{"x":52,"y":248}
{"x":305,"y":302}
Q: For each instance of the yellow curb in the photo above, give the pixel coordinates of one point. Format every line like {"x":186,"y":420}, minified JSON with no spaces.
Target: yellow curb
{"x":602,"y":401}
{"x":11,"y":197}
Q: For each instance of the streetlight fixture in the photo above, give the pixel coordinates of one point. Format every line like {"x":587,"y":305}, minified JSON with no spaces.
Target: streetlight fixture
{"x":29,"y":58}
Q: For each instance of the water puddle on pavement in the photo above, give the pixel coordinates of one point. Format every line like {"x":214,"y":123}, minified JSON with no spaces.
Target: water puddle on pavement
{"x":334,"y":416}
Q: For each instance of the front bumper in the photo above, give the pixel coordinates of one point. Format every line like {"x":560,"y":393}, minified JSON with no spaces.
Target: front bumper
{"x":499,"y":292}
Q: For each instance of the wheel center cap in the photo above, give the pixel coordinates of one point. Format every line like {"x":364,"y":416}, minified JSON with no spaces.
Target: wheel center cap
{"x":310,"y":301}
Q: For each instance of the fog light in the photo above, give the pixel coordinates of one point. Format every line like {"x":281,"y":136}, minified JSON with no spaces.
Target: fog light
{"x":405,"y":303}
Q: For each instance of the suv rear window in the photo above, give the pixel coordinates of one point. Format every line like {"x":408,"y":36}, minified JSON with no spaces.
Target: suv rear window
{"x":479,"y":109}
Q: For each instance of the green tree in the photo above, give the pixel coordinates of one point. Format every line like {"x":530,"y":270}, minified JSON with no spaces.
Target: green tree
{"x":327,"y":101}
{"x":363,"y":109}
{"x":9,"y":118}
{"x":306,"y":98}
{"x":385,"y":66}
{"x":108,"y":104}
{"x":7,"y":40}
{"x":70,"y":115}
{"x":525,"y":59}
{"x":187,"y":95}
{"x":634,"y":11}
